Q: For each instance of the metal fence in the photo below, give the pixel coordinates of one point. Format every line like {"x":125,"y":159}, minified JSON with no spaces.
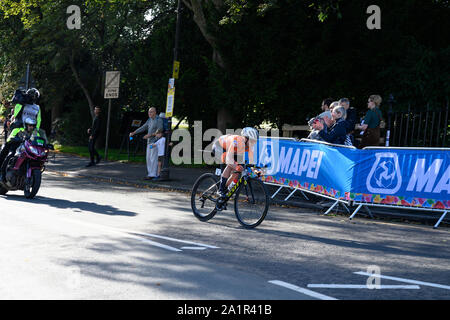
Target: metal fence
{"x":420,"y":127}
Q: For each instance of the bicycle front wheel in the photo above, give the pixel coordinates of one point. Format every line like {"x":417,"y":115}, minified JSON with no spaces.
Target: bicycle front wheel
{"x":204,"y":196}
{"x":251,"y":203}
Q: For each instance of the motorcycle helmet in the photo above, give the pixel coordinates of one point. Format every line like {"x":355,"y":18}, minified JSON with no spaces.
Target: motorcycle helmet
{"x":29,"y":122}
{"x":250,"y":133}
{"x":33,"y":94}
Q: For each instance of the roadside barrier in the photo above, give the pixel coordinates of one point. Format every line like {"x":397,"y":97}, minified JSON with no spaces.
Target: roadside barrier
{"x":402,"y":178}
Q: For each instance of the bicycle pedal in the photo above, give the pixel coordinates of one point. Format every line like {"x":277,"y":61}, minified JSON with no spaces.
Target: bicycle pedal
{"x":221,"y":207}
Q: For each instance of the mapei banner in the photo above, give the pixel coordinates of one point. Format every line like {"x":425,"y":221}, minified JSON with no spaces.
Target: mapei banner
{"x":394,"y":176}
{"x":407,"y":177}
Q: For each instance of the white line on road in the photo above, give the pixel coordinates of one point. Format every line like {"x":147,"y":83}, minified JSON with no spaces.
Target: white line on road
{"x":361,"y":286}
{"x":429,"y":284}
{"x":302,"y":290}
{"x":123,"y":233}
{"x":171,"y":239}
{"x":136,"y":235}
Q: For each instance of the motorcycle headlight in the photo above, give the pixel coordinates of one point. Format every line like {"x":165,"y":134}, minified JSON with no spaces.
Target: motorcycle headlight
{"x":34,"y":150}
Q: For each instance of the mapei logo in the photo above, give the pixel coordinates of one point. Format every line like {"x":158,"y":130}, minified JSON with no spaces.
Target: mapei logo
{"x":266,"y":155}
{"x":385,"y":176}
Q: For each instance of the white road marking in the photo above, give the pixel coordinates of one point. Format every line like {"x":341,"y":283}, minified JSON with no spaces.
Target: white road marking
{"x":132,"y":234}
{"x":302,"y":290}
{"x":126,"y":234}
{"x":193,"y":248}
{"x":361,"y":286}
{"x":171,"y":239}
{"x":429,"y":284}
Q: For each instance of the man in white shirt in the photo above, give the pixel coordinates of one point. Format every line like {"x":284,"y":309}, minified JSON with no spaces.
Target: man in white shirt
{"x":152,"y":125}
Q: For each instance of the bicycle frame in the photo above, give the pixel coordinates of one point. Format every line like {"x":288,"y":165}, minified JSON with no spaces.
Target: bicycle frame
{"x":243,"y":177}
{"x":244,"y":192}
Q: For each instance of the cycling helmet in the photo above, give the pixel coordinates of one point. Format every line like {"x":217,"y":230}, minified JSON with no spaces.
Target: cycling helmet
{"x":34,"y":94}
{"x":250,"y":133}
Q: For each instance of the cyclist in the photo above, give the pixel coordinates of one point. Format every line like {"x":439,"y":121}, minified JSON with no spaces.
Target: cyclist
{"x":230,"y":147}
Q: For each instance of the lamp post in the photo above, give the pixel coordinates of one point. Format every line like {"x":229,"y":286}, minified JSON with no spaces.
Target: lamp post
{"x":391,"y":101}
{"x":165,"y":172}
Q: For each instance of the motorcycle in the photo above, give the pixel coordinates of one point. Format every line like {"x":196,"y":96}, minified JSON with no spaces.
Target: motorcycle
{"x":23,"y":170}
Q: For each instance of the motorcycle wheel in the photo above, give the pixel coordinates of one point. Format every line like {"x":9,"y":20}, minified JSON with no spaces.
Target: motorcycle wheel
{"x":32,"y":186}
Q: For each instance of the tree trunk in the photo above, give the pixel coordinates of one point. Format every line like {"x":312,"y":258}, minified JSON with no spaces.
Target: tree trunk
{"x":224,"y":117}
{"x":80,"y":83}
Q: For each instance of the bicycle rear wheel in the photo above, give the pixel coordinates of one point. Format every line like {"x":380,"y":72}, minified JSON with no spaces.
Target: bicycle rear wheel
{"x":204,"y":196}
{"x":251,"y":203}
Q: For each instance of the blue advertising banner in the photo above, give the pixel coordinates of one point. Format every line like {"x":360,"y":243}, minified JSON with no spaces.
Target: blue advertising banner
{"x":312,"y":166}
{"x":403,"y":176}
{"x":395,"y":176}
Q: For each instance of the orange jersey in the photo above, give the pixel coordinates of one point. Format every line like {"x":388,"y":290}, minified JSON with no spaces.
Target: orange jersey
{"x":234,"y":145}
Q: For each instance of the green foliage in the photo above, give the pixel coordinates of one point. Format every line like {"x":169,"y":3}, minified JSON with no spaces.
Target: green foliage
{"x":281,"y":57}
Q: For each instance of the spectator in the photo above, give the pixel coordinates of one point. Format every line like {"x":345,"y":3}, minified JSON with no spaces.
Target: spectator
{"x":7,"y":123}
{"x":350,"y":119}
{"x":94,"y":132}
{"x":333,"y":105}
{"x":333,"y":133}
{"x":324,"y":117}
{"x":6,"y":126}
{"x":160,"y":144}
{"x":326,"y":104}
{"x":153,"y":123}
{"x":371,"y":123}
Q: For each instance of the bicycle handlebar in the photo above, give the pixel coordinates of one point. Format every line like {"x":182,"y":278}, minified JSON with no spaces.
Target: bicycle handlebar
{"x":255,"y":166}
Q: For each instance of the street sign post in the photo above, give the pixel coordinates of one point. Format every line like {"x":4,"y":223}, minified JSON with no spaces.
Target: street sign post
{"x":112,"y":83}
{"x":176,"y":69}
{"x":170,"y":98}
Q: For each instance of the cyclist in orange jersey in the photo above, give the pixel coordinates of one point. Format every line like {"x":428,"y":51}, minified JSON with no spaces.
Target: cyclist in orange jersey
{"x":229,"y":147}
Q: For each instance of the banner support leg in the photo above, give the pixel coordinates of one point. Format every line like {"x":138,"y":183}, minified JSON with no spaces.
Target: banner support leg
{"x":331,"y":208}
{"x":440,"y":220}
{"x":370,"y":212}
{"x":290,"y":195}
{"x":304,"y":195}
{"x":346,"y":208}
{"x":355,"y":212}
{"x":279,"y":189}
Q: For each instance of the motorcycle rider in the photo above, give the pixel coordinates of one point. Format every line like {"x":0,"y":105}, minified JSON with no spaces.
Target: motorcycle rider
{"x":14,"y":140}
{"x":28,"y":109}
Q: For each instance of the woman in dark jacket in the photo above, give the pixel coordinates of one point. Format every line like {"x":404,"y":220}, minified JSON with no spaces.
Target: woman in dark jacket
{"x":336,"y":133}
{"x":371,"y":124}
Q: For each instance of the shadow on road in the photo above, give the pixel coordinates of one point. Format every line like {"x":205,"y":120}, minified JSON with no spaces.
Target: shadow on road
{"x":77,"y":206}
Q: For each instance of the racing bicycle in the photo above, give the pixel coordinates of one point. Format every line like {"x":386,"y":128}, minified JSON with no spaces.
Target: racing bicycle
{"x":251,"y":200}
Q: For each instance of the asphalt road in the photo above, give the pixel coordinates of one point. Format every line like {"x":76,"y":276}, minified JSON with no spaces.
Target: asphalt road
{"x":86,"y":239}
